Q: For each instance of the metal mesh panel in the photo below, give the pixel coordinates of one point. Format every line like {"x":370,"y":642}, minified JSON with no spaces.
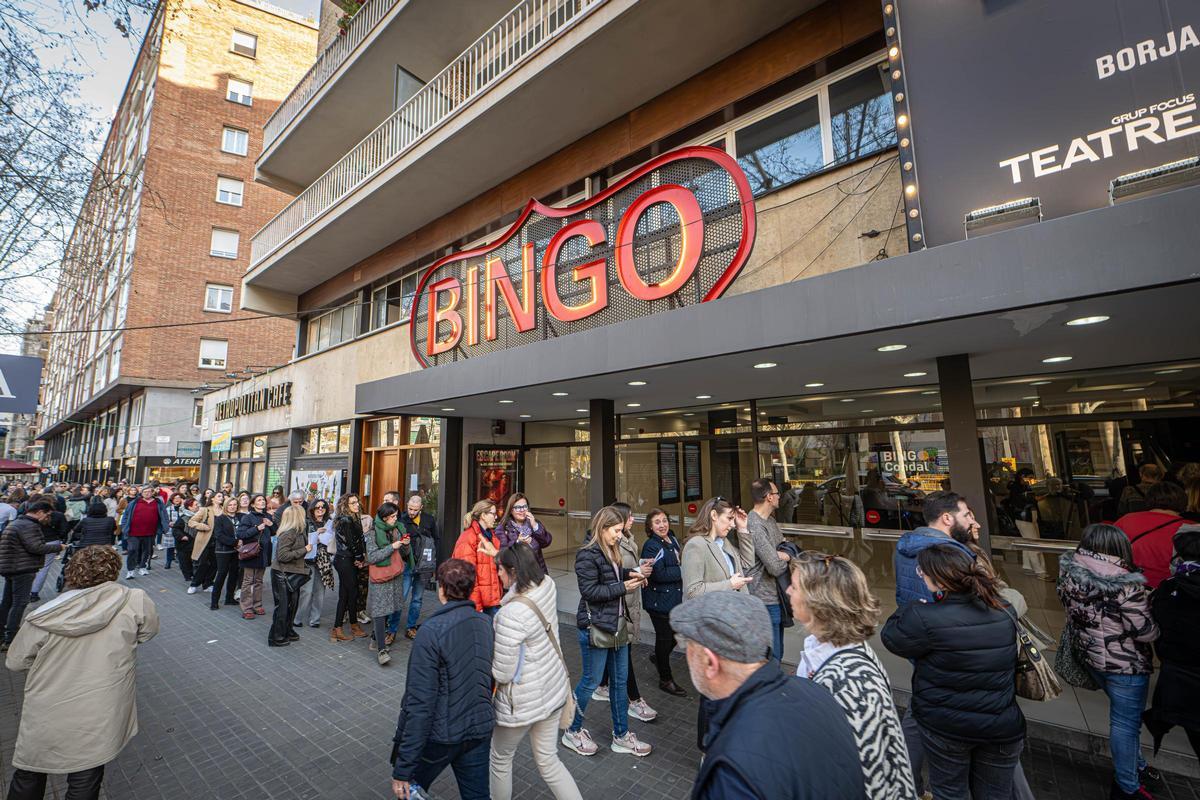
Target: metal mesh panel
{"x":657,"y":242}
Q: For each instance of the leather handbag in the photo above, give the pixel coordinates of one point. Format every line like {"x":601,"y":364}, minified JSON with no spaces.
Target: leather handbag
{"x":1069,"y":662}
{"x":567,"y":715}
{"x":248,"y":550}
{"x":602,"y":639}
{"x":384,"y":574}
{"x":1034,"y":677}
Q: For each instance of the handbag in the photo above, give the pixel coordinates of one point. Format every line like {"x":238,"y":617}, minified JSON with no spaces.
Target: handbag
{"x":324,"y":566}
{"x":248,"y":550}
{"x":384,"y":574}
{"x":567,"y":715}
{"x":1069,"y":664}
{"x":1034,"y":677}
{"x":602,"y":639}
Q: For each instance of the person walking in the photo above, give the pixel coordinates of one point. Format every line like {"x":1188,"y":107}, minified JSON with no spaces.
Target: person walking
{"x":830,"y":597}
{"x":56,"y":530}
{"x":386,"y":546}
{"x":477,"y":546}
{"x":709,"y":563}
{"x":225,"y":553}
{"x":23,"y":548}
{"x":663,"y":591}
{"x":1152,"y":530}
{"x":759,"y":714}
{"x":288,"y":574}
{"x":423,"y":529}
{"x":519,"y":525}
{"x":96,"y":527}
{"x":532,"y":684}
{"x":603,"y":623}
{"x":184,"y":537}
{"x":143,"y":519}
{"x":446,"y":715}
{"x":204,"y":544}
{"x":964,"y":648}
{"x":347,"y":561}
{"x":768,"y":561}
{"x":90,"y":632}
{"x":254,"y":528}
{"x":320,"y":539}
{"x":1107,"y":603}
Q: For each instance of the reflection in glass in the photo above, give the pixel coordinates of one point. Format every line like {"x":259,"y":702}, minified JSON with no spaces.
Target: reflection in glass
{"x":782,"y":148}
{"x":861,"y":116}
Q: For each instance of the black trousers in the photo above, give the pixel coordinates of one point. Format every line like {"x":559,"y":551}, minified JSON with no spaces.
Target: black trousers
{"x":17,"y":589}
{"x":664,"y":643}
{"x":204,"y":567}
{"x":83,"y":785}
{"x":347,"y":575}
{"x":140,"y":548}
{"x":285,"y":587}
{"x":184,"y":552}
{"x":227,"y":572}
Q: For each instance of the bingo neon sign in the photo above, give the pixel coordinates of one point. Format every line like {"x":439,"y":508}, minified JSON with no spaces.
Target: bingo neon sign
{"x":674,"y":232}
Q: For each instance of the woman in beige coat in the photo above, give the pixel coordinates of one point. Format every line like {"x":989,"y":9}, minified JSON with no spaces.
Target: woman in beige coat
{"x":203,"y":547}
{"x":710,"y":563}
{"x":80,"y":706}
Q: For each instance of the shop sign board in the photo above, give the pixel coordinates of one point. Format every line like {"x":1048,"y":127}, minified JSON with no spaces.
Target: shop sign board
{"x":693,"y":488}
{"x":189,"y":449}
{"x":222,"y":438}
{"x":253,"y":402}
{"x":1047,"y":99}
{"x":672,"y":233}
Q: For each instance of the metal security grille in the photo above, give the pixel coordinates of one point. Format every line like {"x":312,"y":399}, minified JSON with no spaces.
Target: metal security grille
{"x":724,"y":202}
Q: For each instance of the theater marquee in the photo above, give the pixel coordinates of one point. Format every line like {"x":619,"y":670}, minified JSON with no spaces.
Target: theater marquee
{"x":675,"y":232}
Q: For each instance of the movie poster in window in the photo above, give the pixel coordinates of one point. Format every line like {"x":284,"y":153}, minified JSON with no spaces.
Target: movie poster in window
{"x":323,"y":483}
{"x":668,"y":473}
{"x":693,"y":488}
{"x":494,"y":473}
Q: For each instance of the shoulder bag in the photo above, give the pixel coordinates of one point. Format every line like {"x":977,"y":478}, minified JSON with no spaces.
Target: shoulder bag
{"x":1069,"y":663}
{"x":567,"y":715}
{"x":390,"y":571}
{"x":248,"y":550}
{"x":1035,"y":679}
{"x":602,"y":639}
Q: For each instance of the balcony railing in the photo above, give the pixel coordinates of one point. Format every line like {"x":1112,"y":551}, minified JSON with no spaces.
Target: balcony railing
{"x":497,"y":53}
{"x":326,"y":64}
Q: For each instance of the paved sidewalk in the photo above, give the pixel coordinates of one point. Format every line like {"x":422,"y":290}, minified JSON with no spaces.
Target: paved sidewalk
{"x":224,"y":717}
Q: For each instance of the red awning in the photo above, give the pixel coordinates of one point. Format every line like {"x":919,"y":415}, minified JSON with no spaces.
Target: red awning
{"x":15,"y":466}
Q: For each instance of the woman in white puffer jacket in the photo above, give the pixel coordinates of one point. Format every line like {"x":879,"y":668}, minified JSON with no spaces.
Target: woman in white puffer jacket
{"x":531,"y":680}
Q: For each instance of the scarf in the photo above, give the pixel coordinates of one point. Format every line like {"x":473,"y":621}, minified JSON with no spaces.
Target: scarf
{"x":383,"y":538}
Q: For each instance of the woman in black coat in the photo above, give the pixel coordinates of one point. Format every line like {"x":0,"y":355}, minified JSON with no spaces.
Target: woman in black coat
{"x":349,"y":557}
{"x":963,"y":646}
{"x":224,"y":535}
{"x":663,"y":592}
{"x":97,"y":527}
{"x":254,"y":528}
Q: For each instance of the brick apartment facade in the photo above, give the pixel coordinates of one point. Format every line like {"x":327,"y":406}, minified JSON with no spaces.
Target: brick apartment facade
{"x":164,"y":238}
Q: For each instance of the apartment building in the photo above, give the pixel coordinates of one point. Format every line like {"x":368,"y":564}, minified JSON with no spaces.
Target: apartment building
{"x":148,"y":307}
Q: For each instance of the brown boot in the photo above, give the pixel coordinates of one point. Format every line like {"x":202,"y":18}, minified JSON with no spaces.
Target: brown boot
{"x":357,"y":630}
{"x":338,"y":635}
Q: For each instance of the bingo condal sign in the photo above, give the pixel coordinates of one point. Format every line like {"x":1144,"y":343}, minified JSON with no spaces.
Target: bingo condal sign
{"x":672,"y":233}
{"x":1051,"y":99}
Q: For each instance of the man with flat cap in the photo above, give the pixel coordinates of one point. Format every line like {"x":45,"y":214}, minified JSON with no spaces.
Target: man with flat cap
{"x":770,"y":736}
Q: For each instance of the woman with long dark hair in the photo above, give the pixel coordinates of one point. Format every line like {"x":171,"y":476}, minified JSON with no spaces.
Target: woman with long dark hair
{"x":320,"y":537}
{"x":254,"y":527}
{"x":347,"y":561}
{"x":385,"y":598}
{"x":663,"y":592}
{"x":225,"y":553}
{"x":964,"y":650}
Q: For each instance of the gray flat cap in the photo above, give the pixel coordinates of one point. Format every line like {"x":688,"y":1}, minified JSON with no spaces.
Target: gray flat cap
{"x":734,"y":625}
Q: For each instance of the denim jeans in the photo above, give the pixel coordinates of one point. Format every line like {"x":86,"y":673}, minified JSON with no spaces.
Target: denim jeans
{"x":414,"y":587}
{"x":468,"y":759}
{"x":140,"y":548}
{"x":40,"y":579}
{"x":776,"y":631}
{"x":594,"y":662}
{"x":16,"y":598}
{"x":1126,"y":701}
{"x":966,"y":771}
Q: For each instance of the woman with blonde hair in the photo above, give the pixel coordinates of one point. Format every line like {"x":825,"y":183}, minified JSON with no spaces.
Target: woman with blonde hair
{"x":709,"y":563}
{"x":478,"y":546}
{"x":831,"y":599}
{"x":288,"y":574}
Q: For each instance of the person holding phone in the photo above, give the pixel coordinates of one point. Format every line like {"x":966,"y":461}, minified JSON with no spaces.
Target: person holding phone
{"x":385,"y":599}
{"x":347,"y":561}
{"x":477,"y":545}
{"x":519,"y":525}
{"x":663,"y":592}
{"x":709,"y":563}
{"x":254,"y":527}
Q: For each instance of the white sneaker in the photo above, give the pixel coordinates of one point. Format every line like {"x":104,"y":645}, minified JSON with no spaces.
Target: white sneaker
{"x":600,"y":693}
{"x":639,"y":710}
{"x":579,"y":742}
{"x":143,"y":571}
{"x":629,"y":743}
{"x":158,"y":547}
{"x":237,"y":595}
{"x":191,"y":590}
{"x":129,"y":575}
{"x":363,"y":619}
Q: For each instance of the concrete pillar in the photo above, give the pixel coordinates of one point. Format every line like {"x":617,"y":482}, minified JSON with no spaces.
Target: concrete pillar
{"x":450,"y":492}
{"x":967,"y":475}
{"x":354,"y":473}
{"x":602,"y":489}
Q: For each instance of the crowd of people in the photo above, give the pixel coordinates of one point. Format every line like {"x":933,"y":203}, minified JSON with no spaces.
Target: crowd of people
{"x":486,"y":669}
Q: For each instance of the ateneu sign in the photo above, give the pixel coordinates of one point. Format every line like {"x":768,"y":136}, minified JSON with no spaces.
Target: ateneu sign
{"x":253,"y":402}
{"x":674,"y":232}
{"x":1044,"y":98}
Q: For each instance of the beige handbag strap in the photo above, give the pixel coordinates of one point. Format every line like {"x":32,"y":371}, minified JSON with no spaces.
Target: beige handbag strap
{"x":523,"y":600}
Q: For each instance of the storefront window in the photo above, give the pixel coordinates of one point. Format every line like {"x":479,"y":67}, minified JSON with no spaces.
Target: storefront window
{"x":861,"y":116}
{"x":899,"y":406}
{"x":716,"y":420}
{"x":383,"y":432}
{"x":243,"y":448}
{"x":1174,"y":387}
{"x":556,"y":432}
{"x":782,"y":148}
{"x":424,"y":430}
{"x":328,"y":439}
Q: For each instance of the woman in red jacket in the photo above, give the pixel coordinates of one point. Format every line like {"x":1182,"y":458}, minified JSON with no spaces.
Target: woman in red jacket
{"x":477,"y":545}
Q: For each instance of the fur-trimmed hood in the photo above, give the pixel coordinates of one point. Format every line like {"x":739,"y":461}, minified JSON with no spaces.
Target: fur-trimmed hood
{"x":1097,"y":574}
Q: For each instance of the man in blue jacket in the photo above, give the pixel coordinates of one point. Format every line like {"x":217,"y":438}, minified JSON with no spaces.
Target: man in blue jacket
{"x":143,"y":521}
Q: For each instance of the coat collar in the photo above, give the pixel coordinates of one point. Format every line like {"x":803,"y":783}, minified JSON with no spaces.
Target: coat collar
{"x":765,"y":678}
{"x":453,"y":605}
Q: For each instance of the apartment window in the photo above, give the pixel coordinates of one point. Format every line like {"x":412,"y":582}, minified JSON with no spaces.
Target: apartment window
{"x":234,"y":141}
{"x":224,"y":243}
{"x":212,"y":353}
{"x":244,"y":44}
{"x":393,"y":302}
{"x":332,"y":328}
{"x":861,"y":116}
{"x":783,"y":148}
{"x":198,"y":414}
{"x":218,"y":298}
{"x":229,"y":191}
{"x":239,"y":92}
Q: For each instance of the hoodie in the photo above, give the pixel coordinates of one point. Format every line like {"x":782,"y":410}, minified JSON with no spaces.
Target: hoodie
{"x":909,"y":586}
{"x":80,"y":696}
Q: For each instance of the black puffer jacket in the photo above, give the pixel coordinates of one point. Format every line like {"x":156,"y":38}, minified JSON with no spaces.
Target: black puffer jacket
{"x":601,"y":590}
{"x":96,"y":528}
{"x":448,"y":690}
{"x":23,"y":547}
{"x":348,"y":533}
{"x":965,"y":656}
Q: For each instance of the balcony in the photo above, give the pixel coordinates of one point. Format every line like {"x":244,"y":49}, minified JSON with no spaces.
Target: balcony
{"x":508,"y":101}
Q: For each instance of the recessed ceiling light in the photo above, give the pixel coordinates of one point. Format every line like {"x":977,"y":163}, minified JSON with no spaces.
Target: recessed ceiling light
{"x":1040,"y":383}
{"x":813,"y":385}
{"x":558,"y":394}
{"x":867,"y":411}
{"x":1056,"y":359}
{"x":447,"y":409}
{"x":766,"y":365}
{"x":689,"y":414}
{"x":633,"y":405}
{"x":637,"y":383}
{"x":891,"y":348}
{"x":1167,"y":371}
{"x":525,"y":416}
{"x":704,"y":397}
{"x":915,"y":374}
{"x":1088,"y":320}
{"x":1030,"y":397}
{"x":505,"y":402}
{"x":581,"y":410}
{"x":934,"y":391}
{"x":747,"y":408}
{"x":847,"y":399}
{"x":1135,"y":389}
{"x":581,"y":422}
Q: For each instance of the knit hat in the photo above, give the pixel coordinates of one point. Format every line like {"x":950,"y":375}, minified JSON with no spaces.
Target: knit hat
{"x":734,"y":625}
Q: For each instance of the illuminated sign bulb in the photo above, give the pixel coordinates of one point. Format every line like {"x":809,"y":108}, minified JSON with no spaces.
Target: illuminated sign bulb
{"x":916,"y":237}
{"x":899,"y":97}
{"x":913,"y":213}
{"x":887,"y":9}
{"x":891,"y":32}
{"x":910,"y":190}
{"x":902,"y":120}
{"x":894,"y":52}
{"x":904,"y":142}
{"x":908,"y":166}
{"x":895,"y":74}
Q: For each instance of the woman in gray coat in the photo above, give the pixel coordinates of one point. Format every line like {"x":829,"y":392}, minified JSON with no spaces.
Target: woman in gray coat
{"x":710,"y":563}
{"x":385,"y":600}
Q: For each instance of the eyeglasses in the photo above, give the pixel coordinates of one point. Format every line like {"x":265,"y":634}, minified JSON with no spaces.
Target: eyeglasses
{"x":521,"y":507}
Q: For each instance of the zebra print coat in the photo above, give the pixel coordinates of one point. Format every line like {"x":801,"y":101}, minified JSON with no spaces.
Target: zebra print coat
{"x":858,"y":682}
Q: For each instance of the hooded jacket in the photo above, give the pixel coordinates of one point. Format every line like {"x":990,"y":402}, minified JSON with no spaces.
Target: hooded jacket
{"x":80,"y":699}
{"x":909,"y":586}
{"x":531,"y":680}
{"x":1110,"y":609}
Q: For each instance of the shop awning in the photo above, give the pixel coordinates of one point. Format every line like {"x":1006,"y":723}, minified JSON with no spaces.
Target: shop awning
{"x":7,"y":466}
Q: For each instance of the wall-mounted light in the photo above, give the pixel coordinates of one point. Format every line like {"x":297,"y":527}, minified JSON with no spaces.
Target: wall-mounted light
{"x":1147,"y":180}
{"x":1025,"y":208}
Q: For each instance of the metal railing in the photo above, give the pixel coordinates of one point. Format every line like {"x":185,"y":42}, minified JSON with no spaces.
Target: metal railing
{"x":363,"y":21}
{"x":496,"y":54}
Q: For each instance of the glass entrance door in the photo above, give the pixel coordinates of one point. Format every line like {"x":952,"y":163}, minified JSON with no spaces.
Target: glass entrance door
{"x":556,"y":481}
